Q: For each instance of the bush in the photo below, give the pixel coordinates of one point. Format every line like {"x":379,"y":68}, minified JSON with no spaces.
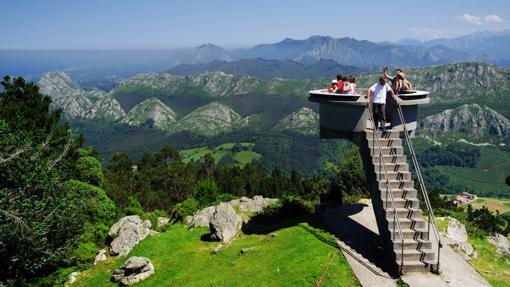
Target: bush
{"x":185,"y":208}
{"x":134,"y":207}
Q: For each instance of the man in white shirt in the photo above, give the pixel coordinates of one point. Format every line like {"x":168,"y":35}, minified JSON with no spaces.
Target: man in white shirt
{"x":377,"y":96}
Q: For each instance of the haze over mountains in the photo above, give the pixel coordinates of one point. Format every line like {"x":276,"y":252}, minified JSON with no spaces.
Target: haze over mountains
{"x":286,"y":58}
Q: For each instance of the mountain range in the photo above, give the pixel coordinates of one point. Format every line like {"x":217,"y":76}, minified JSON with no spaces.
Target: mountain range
{"x":105,"y":68}
{"x":216,"y":103}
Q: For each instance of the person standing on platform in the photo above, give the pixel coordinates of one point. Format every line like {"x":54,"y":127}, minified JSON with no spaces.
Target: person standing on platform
{"x":377,"y":97}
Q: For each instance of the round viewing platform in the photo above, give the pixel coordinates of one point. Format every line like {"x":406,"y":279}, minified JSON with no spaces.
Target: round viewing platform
{"x":341,"y":115}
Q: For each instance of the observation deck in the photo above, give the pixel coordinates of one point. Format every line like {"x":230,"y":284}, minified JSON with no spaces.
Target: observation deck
{"x":411,"y":242}
{"x":343,"y":115}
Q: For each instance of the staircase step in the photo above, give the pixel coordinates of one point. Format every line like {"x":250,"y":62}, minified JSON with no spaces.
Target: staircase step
{"x":418,"y":266}
{"x":404,"y":212}
{"x":385,"y":142}
{"x":392,"y":166}
{"x":408,"y":233}
{"x":383,"y":135}
{"x":396,"y":184}
{"x":412,"y":244}
{"x":399,"y":192}
{"x":415,"y":255}
{"x":387,"y":151}
{"x":409,"y":202}
{"x":407,"y":223}
{"x":399,"y":175}
{"x":389,"y":159}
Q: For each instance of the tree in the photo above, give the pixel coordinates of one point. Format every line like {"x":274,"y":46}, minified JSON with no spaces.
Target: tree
{"x":44,"y":210}
{"x":350,"y":182}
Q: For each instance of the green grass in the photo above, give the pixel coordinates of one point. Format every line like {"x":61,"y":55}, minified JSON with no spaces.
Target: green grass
{"x":492,"y":266}
{"x":296,"y":256}
{"x":242,"y":158}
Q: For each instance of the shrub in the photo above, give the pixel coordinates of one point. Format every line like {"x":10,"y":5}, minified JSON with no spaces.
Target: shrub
{"x":185,"y":208}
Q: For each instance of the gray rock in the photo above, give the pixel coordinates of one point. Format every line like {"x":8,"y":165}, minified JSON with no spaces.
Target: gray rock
{"x":72,"y":277}
{"x":101,"y":256}
{"x":257,"y":204}
{"x":163,"y":221}
{"x":225,"y":223}
{"x":126,"y":233}
{"x":134,"y":270}
{"x":247,"y":250}
{"x":502,"y":244}
{"x":456,"y":231}
{"x":201,"y":218}
{"x":217,"y":248}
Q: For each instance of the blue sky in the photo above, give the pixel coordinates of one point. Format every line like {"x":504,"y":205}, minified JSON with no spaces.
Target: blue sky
{"x":157,"y":24}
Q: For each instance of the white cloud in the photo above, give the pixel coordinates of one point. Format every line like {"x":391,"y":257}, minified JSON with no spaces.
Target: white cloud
{"x":471,"y":19}
{"x":493,"y":19}
{"x":477,"y":20}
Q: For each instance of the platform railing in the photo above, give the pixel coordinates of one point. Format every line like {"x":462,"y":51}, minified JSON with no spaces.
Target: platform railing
{"x":431,"y":221}
{"x":396,"y":221}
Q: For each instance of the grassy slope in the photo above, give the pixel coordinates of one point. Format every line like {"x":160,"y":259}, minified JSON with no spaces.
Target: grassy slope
{"x":243,"y":157}
{"x":492,"y":266}
{"x":488,"y":176}
{"x":294,"y":257}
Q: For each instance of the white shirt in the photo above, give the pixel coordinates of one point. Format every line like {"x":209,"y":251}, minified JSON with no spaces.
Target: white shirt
{"x":379,"y":92}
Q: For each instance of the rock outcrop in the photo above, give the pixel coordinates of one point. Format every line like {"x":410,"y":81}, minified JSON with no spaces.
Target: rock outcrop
{"x":126,"y":233}
{"x":225,"y":223}
{"x":256,"y":204}
{"x":201,"y":218}
{"x":456,"y":232}
{"x":101,"y":256}
{"x":502,"y":244}
{"x":474,"y":122}
{"x":134,"y":270}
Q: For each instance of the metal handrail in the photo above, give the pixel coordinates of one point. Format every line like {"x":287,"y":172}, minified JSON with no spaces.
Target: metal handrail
{"x":422,"y":186}
{"x":388,"y":190}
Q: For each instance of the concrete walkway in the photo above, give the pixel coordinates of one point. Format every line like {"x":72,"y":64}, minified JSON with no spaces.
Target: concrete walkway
{"x":356,"y":233}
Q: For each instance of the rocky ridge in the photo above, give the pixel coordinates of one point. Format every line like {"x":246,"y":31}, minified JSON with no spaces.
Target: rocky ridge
{"x":304,"y":121}
{"x":78,"y":103}
{"x":478,"y":123}
{"x":152,"y":113}
{"x":211,"y":119}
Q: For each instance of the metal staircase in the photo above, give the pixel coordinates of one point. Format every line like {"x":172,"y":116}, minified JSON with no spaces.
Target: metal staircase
{"x":403,"y":230}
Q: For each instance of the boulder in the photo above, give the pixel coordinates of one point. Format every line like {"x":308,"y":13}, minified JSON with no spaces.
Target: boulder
{"x":163,"y":221}
{"x":201,"y":218}
{"x":225,"y":223}
{"x":72,"y":277}
{"x":257,"y":204}
{"x":126,"y":233}
{"x":134,"y":270}
{"x":456,"y":231}
{"x":101,"y":256}
{"x":502,"y":244}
